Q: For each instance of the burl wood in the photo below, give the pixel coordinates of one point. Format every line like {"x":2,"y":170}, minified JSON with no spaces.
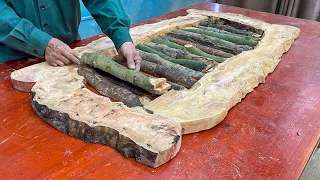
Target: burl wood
{"x":207,"y":103}
{"x":61,"y":99}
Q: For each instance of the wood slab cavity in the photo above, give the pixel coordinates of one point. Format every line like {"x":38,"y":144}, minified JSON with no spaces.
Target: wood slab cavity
{"x":207,"y":103}
{"x":62,"y":100}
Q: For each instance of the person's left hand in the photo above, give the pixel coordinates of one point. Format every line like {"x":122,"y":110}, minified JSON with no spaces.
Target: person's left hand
{"x":127,"y":52}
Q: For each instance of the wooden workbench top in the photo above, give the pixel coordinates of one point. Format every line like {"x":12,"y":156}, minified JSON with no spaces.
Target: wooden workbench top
{"x":270,"y":135}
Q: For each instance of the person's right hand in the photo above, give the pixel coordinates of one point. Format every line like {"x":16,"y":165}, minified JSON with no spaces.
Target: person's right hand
{"x":58,"y":53}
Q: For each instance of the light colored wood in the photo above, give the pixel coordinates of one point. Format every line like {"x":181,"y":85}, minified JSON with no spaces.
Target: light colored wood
{"x":61,"y":99}
{"x":208,"y":102}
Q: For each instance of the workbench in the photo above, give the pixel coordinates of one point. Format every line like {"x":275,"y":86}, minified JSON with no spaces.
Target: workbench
{"x":271,"y":134}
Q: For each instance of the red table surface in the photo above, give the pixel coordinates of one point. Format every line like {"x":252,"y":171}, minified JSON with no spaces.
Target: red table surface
{"x":270,"y":135}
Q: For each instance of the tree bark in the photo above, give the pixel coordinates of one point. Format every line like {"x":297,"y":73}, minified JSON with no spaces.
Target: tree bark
{"x":167,"y":43}
{"x":212,"y":42}
{"x":197,"y":51}
{"x":228,"y":37}
{"x":100,"y":61}
{"x":179,"y":54}
{"x":108,"y":88}
{"x":230,"y":29}
{"x":177,"y":67}
{"x":212,"y":51}
{"x":192,"y":64}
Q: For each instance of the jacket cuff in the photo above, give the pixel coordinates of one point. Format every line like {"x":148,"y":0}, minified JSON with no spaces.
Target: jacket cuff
{"x":39,"y":41}
{"x":120,"y":36}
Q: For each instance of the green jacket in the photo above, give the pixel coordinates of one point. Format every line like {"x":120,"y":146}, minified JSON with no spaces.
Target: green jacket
{"x":26,"y":26}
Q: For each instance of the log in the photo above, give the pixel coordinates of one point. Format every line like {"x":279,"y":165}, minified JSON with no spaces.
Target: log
{"x":100,"y":61}
{"x":197,"y":51}
{"x":158,"y":60}
{"x":226,"y":32}
{"x":170,"y":74}
{"x":175,"y":86}
{"x":213,"y":42}
{"x":179,"y":54}
{"x":228,"y":37}
{"x":107,"y":88}
{"x":230,"y":29}
{"x":212,"y":51}
{"x":167,"y":43}
{"x":192,"y":64}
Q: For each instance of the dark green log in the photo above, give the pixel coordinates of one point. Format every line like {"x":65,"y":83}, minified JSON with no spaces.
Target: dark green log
{"x":228,"y":37}
{"x":192,"y":64}
{"x":100,"y":61}
{"x":167,"y":43}
{"x":213,"y":42}
{"x":177,"y":67}
{"x":108,"y":88}
{"x":197,"y":51}
{"x":230,"y":29}
{"x":226,"y":32}
{"x":212,"y":51}
{"x":179,"y":54}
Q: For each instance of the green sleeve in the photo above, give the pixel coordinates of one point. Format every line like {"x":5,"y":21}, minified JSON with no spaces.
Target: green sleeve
{"x":112,"y":19}
{"x":20,"y":34}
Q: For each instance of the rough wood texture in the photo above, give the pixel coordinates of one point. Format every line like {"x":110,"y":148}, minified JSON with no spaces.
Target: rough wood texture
{"x":212,"y":51}
{"x":167,"y":43}
{"x":158,"y":60}
{"x":196,"y":51}
{"x":63,"y":101}
{"x":207,"y":103}
{"x":107,"y":88}
{"x":100,"y":61}
{"x":229,"y":29}
{"x":228,"y":37}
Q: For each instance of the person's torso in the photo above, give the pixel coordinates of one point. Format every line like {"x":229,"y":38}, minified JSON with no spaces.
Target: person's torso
{"x":58,"y":18}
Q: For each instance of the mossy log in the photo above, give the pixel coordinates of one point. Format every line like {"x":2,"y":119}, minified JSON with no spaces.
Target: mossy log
{"x":190,"y":73}
{"x":228,"y":37}
{"x":230,"y":29}
{"x":107,"y":88}
{"x":213,"y":42}
{"x":167,"y":43}
{"x":192,"y":64}
{"x":230,"y":33}
{"x":197,"y":51}
{"x":209,"y":50}
{"x":179,"y":54}
{"x":100,"y":61}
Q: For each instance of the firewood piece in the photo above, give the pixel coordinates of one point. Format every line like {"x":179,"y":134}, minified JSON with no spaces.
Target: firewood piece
{"x":108,"y":88}
{"x":179,"y":54}
{"x":100,"y":61}
{"x":230,"y":29}
{"x":170,"y":74}
{"x":167,"y":43}
{"x":212,"y":51}
{"x":158,"y":60}
{"x":192,"y":64}
{"x":228,"y":37}
{"x":230,"y":33}
{"x":213,"y":42}
{"x":197,"y":51}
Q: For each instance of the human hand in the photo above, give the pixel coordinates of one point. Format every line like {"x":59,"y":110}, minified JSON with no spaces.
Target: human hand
{"x":127,"y":52}
{"x":57,"y":53}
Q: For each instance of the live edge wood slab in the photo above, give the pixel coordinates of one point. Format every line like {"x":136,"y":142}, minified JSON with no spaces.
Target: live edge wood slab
{"x":257,"y":140}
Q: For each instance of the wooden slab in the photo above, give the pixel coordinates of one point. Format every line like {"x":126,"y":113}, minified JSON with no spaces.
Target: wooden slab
{"x":208,"y":102}
{"x":61,"y":99}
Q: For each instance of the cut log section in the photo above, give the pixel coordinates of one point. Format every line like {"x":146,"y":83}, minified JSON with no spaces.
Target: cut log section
{"x":100,"y":61}
{"x":61,"y":99}
{"x":107,"y":88}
